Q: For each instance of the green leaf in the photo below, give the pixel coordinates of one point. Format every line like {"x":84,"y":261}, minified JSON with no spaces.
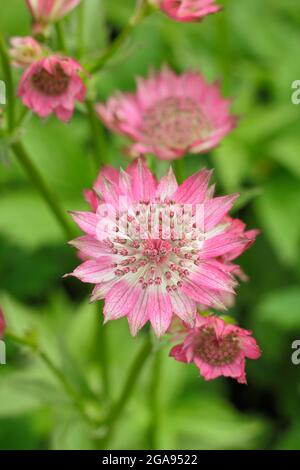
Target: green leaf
{"x":281,"y":308}
{"x":232,"y":164}
{"x":286,"y":152}
{"x":71,"y":433}
{"x":278,"y":210}
{"x":210,"y":422}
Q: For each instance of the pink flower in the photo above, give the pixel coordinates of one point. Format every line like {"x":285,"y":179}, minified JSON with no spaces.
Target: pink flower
{"x":48,"y":11}
{"x":52,"y":85}
{"x":170,"y":115}
{"x":217,"y":348}
{"x":154,"y":249}
{"x":236,"y":234}
{"x":24,"y":51}
{"x":2,"y":323}
{"x":188,"y":10}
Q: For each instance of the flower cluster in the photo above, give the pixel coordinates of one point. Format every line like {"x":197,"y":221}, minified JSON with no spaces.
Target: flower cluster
{"x":45,"y":12}
{"x":170,"y":115}
{"x":52,"y":85}
{"x":216,"y":348}
{"x":188,"y":10}
{"x":154,"y":268}
{"x":156,"y":251}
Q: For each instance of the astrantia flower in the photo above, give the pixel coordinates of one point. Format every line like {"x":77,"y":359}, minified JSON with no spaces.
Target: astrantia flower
{"x":24,"y":51}
{"x":154,"y":249}
{"x":48,"y":11}
{"x":217,"y":348}
{"x":2,"y":323}
{"x":170,"y":115}
{"x":52,"y":85}
{"x":188,"y":10}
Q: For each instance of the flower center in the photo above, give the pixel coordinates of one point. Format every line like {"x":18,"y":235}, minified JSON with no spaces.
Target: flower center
{"x":174,"y":122}
{"x":163,"y":258}
{"x":216,"y":351}
{"x":157,"y":251}
{"x":51,"y":84}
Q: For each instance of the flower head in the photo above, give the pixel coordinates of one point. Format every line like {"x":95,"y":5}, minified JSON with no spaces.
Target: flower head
{"x":170,"y":115}
{"x":48,"y":11}
{"x":217,"y":348}
{"x":154,"y":249}
{"x":188,"y":10}
{"x":2,"y":323}
{"x":24,"y":51}
{"x":52,"y":85}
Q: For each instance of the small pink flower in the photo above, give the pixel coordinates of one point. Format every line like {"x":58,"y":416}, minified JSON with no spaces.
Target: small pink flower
{"x":52,"y":85}
{"x":188,"y":10}
{"x":2,"y":323}
{"x":48,"y":11}
{"x":24,"y":51}
{"x":170,"y":115}
{"x":155,"y":275}
{"x":217,"y":348}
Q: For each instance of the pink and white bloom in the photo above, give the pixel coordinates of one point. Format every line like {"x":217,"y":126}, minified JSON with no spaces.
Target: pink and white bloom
{"x":188,"y":10}
{"x":217,"y":348}
{"x":24,"y":51}
{"x":52,"y":85}
{"x":48,"y":11}
{"x":170,"y":115}
{"x":2,"y":323}
{"x":154,"y":268}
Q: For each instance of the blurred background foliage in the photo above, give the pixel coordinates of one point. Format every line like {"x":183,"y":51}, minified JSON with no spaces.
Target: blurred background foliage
{"x":252,"y":47}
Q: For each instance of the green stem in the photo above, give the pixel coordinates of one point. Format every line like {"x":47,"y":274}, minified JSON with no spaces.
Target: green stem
{"x":179,"y":170}
{"x":130,"y":382}
{"x":80,"y":29}
{"x":103,"y":354}
{"x":98,"y":135}
{"x":154,"y":400}
{"x":141,"y":12}
{"x":61,"y":42}
{"x":223,"y":43}
{"x":69,"y":389}
{"x":38,"y":180}
{"x":10,"y":93}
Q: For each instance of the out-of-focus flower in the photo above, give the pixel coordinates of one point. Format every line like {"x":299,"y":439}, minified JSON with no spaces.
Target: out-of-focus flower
{"x":52,"y":85}
{"x":2,"y":323}
{"x":24,"y":51}
{"x":187,"y":10}
{"x":48,"y":11}
{"x":155,"y":248}
{"x":170,"y":115}
{"x":217,"y":348}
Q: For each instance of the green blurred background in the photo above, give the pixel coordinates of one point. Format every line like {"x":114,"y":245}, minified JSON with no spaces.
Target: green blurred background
{"x":253,"y":48}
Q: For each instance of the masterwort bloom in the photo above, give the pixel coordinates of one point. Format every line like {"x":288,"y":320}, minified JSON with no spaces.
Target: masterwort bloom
{"x":2,"y":323}
{"x":24,"y":51}
{"x":188,"y":10}
{"x":48,"y":11}
{"x":154,"y":250}
{"x":170,"y":115}
{"x":217,"y":348}
{"x":52,"y":85}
